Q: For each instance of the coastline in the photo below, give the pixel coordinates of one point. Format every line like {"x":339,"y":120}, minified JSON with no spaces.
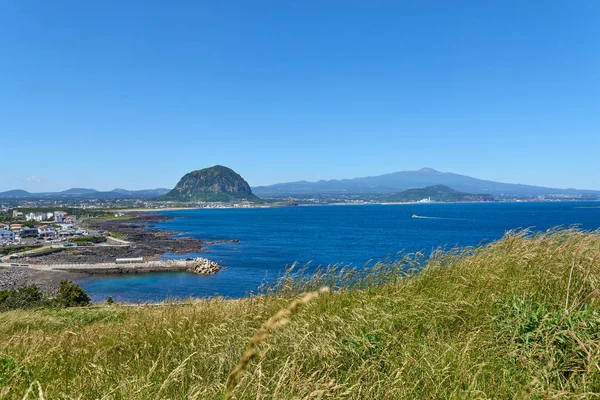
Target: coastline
{"x":142,"y":242}
{"x":150,"y":210}
{"x":158,"y":210}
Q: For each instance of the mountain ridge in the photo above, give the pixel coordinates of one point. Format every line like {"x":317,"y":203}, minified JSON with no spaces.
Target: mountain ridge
{"x":402,"y":180}
{"x":84,"y":194}
{"x":389,"y":183}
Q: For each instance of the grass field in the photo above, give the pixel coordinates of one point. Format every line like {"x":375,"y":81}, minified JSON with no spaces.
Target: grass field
{"x":6,"y":250}
{"x":514,"y":319}
{"x":116,"y":235}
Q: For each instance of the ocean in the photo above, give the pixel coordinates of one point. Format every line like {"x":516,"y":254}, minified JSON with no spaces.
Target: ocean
{"x":272,"y":238}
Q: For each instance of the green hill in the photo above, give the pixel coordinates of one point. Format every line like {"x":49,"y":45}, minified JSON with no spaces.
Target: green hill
{"x":516,"y":319}
{"x":215,"y":184}
{"x":437,"y":193}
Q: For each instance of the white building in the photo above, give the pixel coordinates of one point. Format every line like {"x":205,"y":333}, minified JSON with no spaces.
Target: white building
{"x":65,"y":227}
{"x":39,"y":217}
{"x":59,"y":216}
{"x":47,"y":233}
{"x":7,"y":236}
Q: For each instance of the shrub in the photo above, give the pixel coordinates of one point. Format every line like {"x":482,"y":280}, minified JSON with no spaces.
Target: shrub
{"x":88,"y":239}
{"x":72,"y":295}
{"x":25,"y":297}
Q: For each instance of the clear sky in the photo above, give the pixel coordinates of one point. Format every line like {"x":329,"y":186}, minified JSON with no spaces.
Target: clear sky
{"x":134,"y":94}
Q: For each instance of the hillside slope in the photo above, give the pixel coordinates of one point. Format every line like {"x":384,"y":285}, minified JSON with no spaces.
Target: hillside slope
{"x":515,"y":319}
{"x":15,"y":194}
{"x":437,"y":193}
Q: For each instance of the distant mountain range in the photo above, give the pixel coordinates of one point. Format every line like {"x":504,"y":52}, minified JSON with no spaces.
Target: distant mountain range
{"x":222,"y":184}
{"x":399,"y":181}
{"x":84,"y":194}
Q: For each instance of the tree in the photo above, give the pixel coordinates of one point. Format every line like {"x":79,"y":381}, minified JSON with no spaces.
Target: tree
{"x":71,"y":294}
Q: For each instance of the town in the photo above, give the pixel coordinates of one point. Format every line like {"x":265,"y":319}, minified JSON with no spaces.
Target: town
{"x":37,"y":227}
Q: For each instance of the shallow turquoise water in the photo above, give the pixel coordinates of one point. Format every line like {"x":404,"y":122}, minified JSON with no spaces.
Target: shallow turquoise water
{"x":272,"y":238}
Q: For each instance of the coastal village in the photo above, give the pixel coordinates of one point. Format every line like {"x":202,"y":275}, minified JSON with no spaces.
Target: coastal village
{"x":43,"y":246}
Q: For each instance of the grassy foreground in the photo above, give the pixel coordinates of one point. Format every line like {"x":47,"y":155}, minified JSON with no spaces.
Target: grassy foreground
{"x":514,"y":319}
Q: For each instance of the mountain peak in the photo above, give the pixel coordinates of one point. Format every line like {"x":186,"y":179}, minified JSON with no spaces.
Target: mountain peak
{"x":429,"y":171}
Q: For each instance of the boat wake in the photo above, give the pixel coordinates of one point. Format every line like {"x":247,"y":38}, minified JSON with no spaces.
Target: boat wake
{"x":452,"y":219}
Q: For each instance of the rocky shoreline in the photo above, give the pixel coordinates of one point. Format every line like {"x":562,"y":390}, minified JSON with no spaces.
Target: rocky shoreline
{"x":47,"y":281}
{"x":141,"y":241}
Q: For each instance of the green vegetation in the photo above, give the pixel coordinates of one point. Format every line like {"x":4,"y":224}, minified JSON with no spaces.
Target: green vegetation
{"x":83,"y":240}
{"x":69,"y":295}
{"x":18,"y":248}
{"x":518,"y":318}
{"x":116,"y":235}
{"x":25,"y":297}
{"x":439,"y":193}
{"x":215,"y":184}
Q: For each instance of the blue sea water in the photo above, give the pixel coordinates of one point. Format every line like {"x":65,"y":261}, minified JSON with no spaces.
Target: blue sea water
{"x":272,"y":238}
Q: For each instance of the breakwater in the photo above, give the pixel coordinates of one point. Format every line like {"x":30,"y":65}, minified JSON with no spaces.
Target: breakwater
{"x":200,"y":266}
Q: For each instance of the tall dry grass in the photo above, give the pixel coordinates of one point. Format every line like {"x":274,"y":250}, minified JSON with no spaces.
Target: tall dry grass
{"x":514,"y":319}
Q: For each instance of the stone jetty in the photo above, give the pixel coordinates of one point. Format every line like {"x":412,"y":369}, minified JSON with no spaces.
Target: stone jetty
{"x":201,"y":266}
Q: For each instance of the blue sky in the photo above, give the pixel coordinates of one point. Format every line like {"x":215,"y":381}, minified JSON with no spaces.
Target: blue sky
{"x":134,"y":94}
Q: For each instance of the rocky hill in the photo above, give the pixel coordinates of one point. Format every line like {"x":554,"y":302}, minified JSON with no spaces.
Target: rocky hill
{"x":437,"y":193}
{"x":215,"y":184}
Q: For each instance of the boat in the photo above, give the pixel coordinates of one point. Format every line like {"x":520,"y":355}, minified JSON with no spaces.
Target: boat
{"x":415,"y":216}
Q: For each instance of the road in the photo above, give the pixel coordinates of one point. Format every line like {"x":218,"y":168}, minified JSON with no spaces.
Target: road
{"x":121,"y":241}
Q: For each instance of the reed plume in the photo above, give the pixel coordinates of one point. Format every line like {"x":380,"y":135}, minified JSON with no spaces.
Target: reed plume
{"x":263,"y":332}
